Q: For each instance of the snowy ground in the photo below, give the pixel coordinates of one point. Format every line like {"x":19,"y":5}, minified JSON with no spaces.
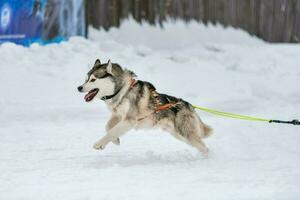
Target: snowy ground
{"x":47,"y":130}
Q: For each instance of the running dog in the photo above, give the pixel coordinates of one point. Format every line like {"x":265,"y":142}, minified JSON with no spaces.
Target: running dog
{"x":136,"y":104}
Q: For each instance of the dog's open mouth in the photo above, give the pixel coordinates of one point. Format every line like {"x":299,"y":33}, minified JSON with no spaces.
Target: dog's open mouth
{"x":91,"y":94}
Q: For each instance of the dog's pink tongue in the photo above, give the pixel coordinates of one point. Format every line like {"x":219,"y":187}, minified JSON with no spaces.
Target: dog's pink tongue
{"x":89,"y":96}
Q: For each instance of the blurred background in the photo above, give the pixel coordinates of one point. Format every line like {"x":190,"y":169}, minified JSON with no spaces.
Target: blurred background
{"x":271,"y":20}
{"x":47,"y":21}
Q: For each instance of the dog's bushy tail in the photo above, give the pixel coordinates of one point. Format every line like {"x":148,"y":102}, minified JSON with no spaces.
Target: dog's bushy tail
{"x":207,"y":131}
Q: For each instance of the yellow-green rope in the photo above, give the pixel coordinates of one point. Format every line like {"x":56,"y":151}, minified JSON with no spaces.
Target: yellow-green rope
{"x":231,"y":115}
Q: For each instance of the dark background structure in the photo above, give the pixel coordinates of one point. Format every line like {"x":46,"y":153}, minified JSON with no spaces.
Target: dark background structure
{"x":271,"y":20}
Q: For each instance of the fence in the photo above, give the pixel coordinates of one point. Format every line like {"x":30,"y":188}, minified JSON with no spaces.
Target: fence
{"x":271,"y":20}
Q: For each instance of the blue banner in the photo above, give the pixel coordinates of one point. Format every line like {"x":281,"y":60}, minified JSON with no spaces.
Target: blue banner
{"x":42,"y":21}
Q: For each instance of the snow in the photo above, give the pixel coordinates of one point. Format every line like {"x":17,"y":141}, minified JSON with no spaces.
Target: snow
{"x":47,"y":130}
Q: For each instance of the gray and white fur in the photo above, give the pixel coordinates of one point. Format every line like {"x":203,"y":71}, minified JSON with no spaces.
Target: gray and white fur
{"x":134,"y":107}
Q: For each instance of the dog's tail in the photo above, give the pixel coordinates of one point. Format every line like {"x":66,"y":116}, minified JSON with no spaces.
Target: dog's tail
{"x":207,"y":130}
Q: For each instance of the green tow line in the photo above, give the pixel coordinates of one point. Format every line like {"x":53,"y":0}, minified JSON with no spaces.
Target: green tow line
{"x":244,"y":117}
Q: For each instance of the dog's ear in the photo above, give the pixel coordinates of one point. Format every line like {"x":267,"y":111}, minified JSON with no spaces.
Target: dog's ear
{"x":109,"y":67}
{"x":97,"y":62}
{"x":114,"y":69}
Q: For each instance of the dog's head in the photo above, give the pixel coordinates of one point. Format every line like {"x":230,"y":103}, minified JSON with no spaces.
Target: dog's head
{"x":102,"y":80}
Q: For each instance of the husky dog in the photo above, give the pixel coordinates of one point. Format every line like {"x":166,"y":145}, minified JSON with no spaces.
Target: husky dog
{"x":137,"y":104}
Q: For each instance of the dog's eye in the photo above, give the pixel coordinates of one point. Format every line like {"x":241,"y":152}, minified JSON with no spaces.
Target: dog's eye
{"x":93,"y":80}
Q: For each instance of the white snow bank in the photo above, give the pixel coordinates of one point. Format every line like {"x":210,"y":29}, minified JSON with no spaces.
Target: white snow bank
{"x":47,"y":130}
{"x":182,"y":35}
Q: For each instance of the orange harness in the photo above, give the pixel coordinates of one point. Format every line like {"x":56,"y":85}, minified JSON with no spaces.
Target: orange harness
{"x":164,"y":107}
{"x":132,"y":82}
{"x":158,"y":107}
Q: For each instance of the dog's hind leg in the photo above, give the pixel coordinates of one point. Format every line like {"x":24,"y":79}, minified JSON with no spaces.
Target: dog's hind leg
{"x":187,"y":131}
{"x":110,"y":124}
{"x":113,"y":134}
{"x":196,"y":141}
{"x":192,"y":133}
{"x":190,"y":139}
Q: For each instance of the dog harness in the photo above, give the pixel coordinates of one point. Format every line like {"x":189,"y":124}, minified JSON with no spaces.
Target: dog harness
{"x":162,"y":101}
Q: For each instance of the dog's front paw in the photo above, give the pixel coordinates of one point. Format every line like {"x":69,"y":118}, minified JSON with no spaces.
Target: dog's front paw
{"x":98,"y":146}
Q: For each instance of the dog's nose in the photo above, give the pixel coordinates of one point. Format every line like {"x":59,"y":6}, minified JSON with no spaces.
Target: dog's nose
{"x":79,"y":88}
